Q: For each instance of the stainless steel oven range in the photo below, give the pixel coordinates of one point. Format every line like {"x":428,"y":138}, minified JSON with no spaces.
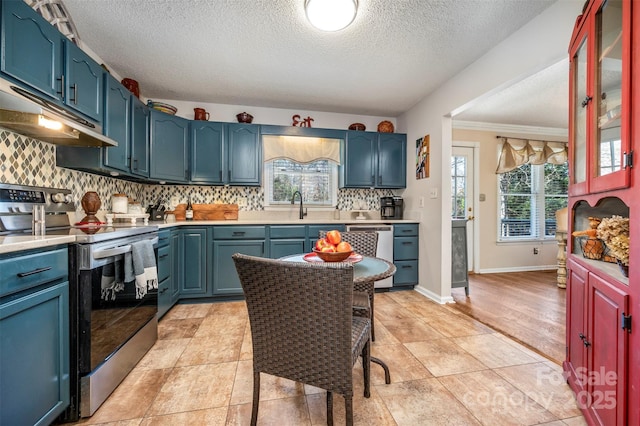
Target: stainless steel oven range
{"x":110,"y":329}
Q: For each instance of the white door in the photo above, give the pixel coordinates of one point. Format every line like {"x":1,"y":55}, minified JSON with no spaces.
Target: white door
{"x":462,"y":194}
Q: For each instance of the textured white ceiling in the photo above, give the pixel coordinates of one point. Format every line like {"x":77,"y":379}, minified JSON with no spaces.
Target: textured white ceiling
{"x":265,"y":53}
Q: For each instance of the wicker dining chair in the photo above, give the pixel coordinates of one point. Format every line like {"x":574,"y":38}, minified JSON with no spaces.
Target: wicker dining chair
{"x":303,"y":327}
{"x":366,"y":244}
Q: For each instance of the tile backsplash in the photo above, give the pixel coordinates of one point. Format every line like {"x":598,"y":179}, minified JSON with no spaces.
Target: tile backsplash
{"x":26,"y":161}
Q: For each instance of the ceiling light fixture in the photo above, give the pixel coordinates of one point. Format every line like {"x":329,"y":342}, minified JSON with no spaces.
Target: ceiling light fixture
{"x":331,"y":15}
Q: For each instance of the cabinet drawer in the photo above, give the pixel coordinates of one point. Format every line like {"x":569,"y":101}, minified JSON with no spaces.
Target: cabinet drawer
{"x":409,"y":230}
{"x":21,"y":272}
{"x":405,"y":248}
{"x":295,"y":231}
{"x":163,"y":238}
{"x":406,"y":272}
{"x":238,"y":232}
{"x":164,"y":263}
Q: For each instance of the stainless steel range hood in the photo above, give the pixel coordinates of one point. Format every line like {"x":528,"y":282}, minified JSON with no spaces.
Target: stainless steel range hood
{"x":33,"y":116}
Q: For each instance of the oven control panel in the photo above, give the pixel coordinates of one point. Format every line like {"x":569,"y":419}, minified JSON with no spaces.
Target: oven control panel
{"x":9,"y":195}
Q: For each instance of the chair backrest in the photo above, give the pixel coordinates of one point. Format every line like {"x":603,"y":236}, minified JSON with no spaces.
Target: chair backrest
{"x":301,"y":319}
{"x":362,"y":242}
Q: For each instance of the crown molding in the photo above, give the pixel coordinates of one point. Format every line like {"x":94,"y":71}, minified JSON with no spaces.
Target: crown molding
{"x":510,"y":128}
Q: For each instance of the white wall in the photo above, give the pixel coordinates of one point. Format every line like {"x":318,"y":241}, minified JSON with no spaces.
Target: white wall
{"x":494,"y":256}
{"x":539,"y":44}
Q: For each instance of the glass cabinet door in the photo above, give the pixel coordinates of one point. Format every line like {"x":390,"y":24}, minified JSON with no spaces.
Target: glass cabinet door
{"x":608,"y":149}
{"x":580,"y":106}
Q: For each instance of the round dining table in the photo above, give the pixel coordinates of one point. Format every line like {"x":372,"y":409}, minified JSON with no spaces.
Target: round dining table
{"x":366,"y":270}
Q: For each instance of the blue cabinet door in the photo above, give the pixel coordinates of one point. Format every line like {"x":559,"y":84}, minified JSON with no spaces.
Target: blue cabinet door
{"x":139,"y":138}
{"x":392,"y":160}
{"x":164,"y":280}
{"x":207,"y":153}
{"x":177,"y":270}
{"x":225,"y":277}
{"x":34,"y":356}
{"x":244,"y":155}
{"x":169,"y":147}
{"x":83,"y":82}
{"x":194,"y":261}
{"x":116,"y":125}
{"x":286,"y":247}
{"x":31,"y":48}
{"x":359,"y":167}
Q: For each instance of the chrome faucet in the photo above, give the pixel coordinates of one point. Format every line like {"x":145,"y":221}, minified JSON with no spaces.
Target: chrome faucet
{"x":293,"y":200}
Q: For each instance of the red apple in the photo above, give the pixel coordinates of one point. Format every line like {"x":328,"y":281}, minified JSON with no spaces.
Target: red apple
{"x":320,"y":244}
{"x":334,"y":237}
{"x":344,"y":246}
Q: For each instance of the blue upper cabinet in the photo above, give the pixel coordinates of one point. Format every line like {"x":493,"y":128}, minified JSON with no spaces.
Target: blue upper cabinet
{"x":139,"y":137}
{"x":359,"y":158}
{"x":83,"y":82}
{"x":244,"y":154}
{"x":374,"y":160}
{"x":36,"y":54}
{"x":32,"y":49}
{"x":169,"y":156}
{"x":117,"y":110}
{"x":207,"y":152}
{"x":392,"y":160}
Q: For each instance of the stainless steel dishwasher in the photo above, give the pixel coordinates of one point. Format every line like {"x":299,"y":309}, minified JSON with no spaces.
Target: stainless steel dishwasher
{"x":384,"y":249}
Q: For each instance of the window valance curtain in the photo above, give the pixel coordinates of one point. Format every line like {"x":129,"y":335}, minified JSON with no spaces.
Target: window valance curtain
{"x":516,"y":152}
{"x":300,"y":149}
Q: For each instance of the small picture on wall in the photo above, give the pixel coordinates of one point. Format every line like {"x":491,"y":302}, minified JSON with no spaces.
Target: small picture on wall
{"x":422,"y":158}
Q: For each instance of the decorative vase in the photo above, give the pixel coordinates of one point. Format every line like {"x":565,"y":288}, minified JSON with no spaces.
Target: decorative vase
{"x":90,"y":204}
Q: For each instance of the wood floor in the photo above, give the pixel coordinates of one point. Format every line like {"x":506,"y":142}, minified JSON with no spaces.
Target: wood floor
{"x":526,"y":306}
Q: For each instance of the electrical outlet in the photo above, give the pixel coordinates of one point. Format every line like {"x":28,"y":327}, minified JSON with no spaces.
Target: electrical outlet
{"x":433,"y":193}
{"x":535,"y":250}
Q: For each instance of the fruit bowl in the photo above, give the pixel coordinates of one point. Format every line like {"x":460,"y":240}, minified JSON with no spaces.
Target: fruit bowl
{"x":336,"y":256}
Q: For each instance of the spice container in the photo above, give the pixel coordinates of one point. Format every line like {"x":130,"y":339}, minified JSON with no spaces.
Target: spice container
{"x":119,"y":203}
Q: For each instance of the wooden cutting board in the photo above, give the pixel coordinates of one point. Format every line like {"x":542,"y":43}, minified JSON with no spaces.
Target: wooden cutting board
{"x":208,"y":211}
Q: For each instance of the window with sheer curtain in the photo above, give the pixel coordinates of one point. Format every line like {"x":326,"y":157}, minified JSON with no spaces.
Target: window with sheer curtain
{"x":531,"y":188}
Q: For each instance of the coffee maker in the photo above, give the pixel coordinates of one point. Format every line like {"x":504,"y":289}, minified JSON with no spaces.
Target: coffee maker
{"x":391,"y":207}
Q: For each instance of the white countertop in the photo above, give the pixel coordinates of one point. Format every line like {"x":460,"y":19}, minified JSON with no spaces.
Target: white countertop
{"x":25,"y":242}
{"x":258,"y":221}
{"x":12,"y":243}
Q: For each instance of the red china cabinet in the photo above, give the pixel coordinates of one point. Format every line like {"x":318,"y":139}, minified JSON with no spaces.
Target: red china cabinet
{"x":603,"y":296}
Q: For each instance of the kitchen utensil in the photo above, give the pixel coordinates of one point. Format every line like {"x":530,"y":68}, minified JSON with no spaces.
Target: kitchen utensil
{"x":243,"y":117}
{"x":358,"y":126}
{"x":200,"y":114}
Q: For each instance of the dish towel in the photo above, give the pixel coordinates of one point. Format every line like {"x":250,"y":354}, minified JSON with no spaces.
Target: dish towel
{"x":144,"y":267}
{"x":112,"y":280}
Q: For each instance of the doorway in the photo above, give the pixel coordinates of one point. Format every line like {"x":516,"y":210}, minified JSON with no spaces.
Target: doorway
{"x":464,"y":158}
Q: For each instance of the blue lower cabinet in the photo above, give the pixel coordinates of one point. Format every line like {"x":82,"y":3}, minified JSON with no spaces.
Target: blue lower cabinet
{"x":164,"y":280}
{"x":228,"y":240}
{"x":34,"y":356}
{"x":285,"y":240}
{"x":194,"y":262}
{"x":225,"y":277}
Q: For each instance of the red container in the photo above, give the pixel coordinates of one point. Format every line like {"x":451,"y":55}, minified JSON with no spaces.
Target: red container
{"x":131,"y":86}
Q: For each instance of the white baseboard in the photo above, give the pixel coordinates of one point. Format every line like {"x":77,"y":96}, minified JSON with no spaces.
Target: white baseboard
{"x":431,"y":295}
{"x":519,"y":269}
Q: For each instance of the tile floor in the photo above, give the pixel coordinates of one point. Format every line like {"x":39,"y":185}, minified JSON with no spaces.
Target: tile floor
{"x":446,"y":368}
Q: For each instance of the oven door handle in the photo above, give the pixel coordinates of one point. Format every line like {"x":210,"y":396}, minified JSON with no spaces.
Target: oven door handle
{"x":103,"y":254}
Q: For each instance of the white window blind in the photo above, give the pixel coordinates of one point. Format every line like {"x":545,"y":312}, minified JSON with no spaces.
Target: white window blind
{"x":528,"y":198}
